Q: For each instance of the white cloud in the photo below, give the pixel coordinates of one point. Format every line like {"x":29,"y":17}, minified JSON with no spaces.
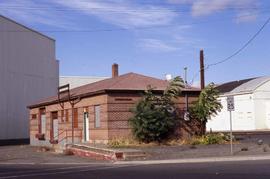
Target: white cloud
{"x":180,"y":1}
{"x":208,"y":7}
{"x":246,"y":16}
{"x":157,"y":45}
{"x":121,"y":13}
{"x":200,"y":8}
{"x":21,"y":10}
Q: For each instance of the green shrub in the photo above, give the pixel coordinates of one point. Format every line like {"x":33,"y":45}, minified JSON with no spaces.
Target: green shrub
{"x":151,"y":122}
{"x":155,"y":116}
{"x":120,"y":143}
{"x":214,"y":139}
{"x":209,"y":139}
{"x":128,"y":142}
{"x":206,"y":106}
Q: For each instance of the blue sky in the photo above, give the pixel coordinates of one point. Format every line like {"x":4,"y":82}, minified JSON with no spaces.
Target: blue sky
{"x":152,"y":37}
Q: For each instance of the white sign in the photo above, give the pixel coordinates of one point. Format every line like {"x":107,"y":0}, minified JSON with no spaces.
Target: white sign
{"x":186,"y":116}
{"x":230,"y":103}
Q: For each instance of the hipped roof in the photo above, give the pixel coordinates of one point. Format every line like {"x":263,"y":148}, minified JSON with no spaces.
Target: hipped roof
{"x":126,"y":82}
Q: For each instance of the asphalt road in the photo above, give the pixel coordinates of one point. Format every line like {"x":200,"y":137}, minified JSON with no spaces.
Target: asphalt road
{"x":228,"y":170}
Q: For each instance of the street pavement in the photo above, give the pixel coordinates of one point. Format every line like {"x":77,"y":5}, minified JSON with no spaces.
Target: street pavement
{"x":224,"y":170}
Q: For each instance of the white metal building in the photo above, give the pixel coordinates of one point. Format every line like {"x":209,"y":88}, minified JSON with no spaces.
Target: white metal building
{"x":252,"y":106}
{"x":76,"y":81}
{"x":29,"y":71}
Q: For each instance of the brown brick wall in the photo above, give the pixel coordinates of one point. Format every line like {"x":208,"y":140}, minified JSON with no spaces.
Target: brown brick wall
{"x":65,"y":127}
{"x":119,"y":112}
{"x":114,"y":116}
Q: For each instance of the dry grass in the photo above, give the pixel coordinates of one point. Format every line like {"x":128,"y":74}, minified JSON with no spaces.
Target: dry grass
{"x":127,"y":143}
{"x":195,"y":140}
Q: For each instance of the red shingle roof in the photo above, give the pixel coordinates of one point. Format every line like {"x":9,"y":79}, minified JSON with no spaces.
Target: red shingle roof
{"x":126,"y":82}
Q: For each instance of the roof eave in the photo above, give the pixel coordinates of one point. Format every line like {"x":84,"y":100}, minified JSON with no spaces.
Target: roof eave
{"x":85,"y":95}
{"x":236,"y":93}
{"x":66,"y":100}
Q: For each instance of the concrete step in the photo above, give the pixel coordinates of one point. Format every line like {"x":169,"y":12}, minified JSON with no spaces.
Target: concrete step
{"x":58,"y":148}
{"x":133,"y":157}
{"x":104,"y":153}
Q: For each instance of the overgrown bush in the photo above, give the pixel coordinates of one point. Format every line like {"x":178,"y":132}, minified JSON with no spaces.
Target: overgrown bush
{"x":155,"y":116}
{"x":206,"y":106}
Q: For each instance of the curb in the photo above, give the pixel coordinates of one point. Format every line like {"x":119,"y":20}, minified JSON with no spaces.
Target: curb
{"x":196,"y":160}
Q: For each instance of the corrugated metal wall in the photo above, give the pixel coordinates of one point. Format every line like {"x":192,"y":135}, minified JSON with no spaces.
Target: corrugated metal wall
{"x":28,"y":72}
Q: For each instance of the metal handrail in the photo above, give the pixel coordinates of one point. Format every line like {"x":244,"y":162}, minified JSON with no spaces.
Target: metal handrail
{"x":59,"y":134}
{"x":67,"y":136}
{"x":64,"y":138}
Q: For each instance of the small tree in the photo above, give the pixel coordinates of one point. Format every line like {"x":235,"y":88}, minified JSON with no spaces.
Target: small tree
{"x":154,"y":116}
{"x":206,"y":106}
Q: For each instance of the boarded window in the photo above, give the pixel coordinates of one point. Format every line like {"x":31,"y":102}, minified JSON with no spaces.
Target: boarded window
{"x":97,"y":116}
{"x":34,"y":116}
{"x":54,"y":115}
{"x":76,"y":118}
{"x":42,"y":121}
{"x":43,"y":124}
{"x":42,"y":111}
{"x":67,"y":115}
{"x":54,"y":126}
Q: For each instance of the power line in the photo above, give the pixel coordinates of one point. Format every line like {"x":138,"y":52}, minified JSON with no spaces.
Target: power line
{"x":237,"y":51}
{"x":158,"y":9}
{"x":243,"y":47}
{"x":126,"y":29}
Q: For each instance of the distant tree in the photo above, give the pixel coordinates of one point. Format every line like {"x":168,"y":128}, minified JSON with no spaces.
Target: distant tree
{"x":155,"y":116}
{"x":207,"y":105}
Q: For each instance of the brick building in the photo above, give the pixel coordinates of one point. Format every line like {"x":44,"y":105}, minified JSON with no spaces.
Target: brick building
{"x":101,"y":111}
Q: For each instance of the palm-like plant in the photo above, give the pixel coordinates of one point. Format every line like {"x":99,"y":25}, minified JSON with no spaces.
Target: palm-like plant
{"x":207,"y":105}
{"x":174,"y":89}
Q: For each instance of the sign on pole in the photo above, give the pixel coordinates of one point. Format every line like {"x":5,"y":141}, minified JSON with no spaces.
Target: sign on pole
{"x":230,"y":108}
{"x":230,"y":103}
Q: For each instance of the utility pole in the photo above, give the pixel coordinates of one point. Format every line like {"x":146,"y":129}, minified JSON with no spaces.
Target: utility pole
{"x":185,"y":69}
{"x":186,"y":114}
{"x":202,"y":70}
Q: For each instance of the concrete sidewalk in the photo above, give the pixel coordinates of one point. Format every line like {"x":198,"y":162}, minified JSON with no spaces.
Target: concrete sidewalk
{"x":33,"y":155}
{"x":196,"y":160}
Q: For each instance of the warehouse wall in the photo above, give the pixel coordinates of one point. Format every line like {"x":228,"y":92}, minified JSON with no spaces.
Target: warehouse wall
{"x":243,"y":118}
{"x":28,"y":72}
{"x":262,"y":106}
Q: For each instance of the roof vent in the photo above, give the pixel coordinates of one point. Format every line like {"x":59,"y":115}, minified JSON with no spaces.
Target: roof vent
{"x":168,"y":77}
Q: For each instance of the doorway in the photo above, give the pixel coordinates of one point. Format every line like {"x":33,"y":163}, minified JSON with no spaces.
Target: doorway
{"x":54,"y":129}
{"x":86,"y":127}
